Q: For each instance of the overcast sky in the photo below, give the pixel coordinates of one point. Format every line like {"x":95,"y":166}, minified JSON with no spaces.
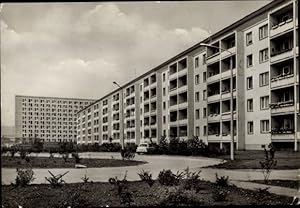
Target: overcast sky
{"x":79,"y":49}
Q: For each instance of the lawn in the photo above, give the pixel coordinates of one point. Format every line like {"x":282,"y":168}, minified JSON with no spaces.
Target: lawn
{"x":46,"y":162}
{"x":282,"y":183}
{"x":99,"y":194}
{"x":250,"y":160}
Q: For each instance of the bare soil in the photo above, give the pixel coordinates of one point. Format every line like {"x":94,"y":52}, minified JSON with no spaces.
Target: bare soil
{"x":101,"y":194}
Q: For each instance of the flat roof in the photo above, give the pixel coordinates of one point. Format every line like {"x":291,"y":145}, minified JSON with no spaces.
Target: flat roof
{"x":207,"y":40}
{"x":62,"y":98}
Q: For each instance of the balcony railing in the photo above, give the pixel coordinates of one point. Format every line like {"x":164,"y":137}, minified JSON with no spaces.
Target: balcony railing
{"x":275,"y":53}
{"x":282,"y":130}
{"x":281,"y":104}
{"x":281,"y":76}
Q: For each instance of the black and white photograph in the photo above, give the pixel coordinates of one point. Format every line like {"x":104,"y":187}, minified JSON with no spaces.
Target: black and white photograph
{"x":149,"y":104}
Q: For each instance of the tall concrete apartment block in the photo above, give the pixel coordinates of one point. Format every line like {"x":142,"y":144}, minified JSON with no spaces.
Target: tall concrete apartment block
{"x":50,"y":119}
{"x":191,"y":94}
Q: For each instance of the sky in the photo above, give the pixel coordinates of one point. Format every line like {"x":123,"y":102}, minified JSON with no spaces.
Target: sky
{"x":78,"y":49}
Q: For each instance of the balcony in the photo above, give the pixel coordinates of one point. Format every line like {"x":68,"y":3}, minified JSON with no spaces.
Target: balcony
{"x":182,"y":72}
{"x":282,"y":55}
{"x":282,"y":80}
{"x":213,"y":117}
{"x":283,"y":137}
{"x":282,"y":27}
{"x":282,"y":107}
{"x":227,"y":115}
{"x":227,"y":73}
{"x":216,"y":137}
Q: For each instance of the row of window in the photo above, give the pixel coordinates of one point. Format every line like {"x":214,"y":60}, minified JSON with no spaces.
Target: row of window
{"x":263,"y":33}
{"x":264,"y":103}
{"x":29,"y":100}
{"x":263,"y":80}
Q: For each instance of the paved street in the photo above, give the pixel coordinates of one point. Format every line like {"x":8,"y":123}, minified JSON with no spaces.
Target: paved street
{"x":155,"y":165}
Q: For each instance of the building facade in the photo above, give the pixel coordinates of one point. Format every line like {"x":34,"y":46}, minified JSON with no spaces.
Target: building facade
{"x":242,"y":83}
{"x":50,"y":119}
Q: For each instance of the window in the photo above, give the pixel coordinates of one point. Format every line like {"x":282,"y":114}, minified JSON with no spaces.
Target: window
{"x":263,"y":55}
{"x":204,"y":112}
{"x":249,"y":38}
{"x":204,"y":76}
{"x":196,"y":64}
{"x":197,"y":114}
{"x":264,"y":102}
{"x":197,"y":131}
{"x":204,"y":95}
{"x":164,"y":76}
{"x":204,"y":130}
{"x":263,"y":32}
{"x":264,"y":126}
{"x":249,"y":83}
{"x":250,"y":105}
{"x":197,"y":79}
{"x":164,"y":91}
{"x":250,"y":127}
{"x":204,"y":59}
{"x":164,"y":105}
{"x":164,"y":119}
{"x":197,"y":97}
{"x":264,"y":79}
{"x":249,"y":60}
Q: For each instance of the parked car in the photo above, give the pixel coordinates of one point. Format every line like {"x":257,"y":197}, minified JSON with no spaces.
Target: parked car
{"x":143,"y":148}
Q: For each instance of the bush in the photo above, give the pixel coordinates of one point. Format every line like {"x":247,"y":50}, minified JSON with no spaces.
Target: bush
{"x":222,"y":181}
{"x":180,"y":198}
{"x":76,"y":156}
{"x":268,"y":163}
{"x":167,"y":178}
{"x":56,"y":180}
{"x":119,"y":184}
{"x":197,"y":147}
{"x":220,"y":194}
{"x":192,"y":180}
{"x":128,"y":152}
{"x":147,"y":177}
{"x":24,"y":177}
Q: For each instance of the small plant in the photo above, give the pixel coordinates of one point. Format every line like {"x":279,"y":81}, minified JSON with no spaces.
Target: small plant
{"x":119,"y":184}
{"x":263,"y":190}
{"x":220,"y":194}
{"x":27,"y":159}
{"x":179,"y":197}
{"x":127,"y":154}
{"x":222,"y":180}
{"x":65,"y":156}
{"x":24,"y":177}
{"x":167,"y":178}
{"x":85,"y":179}
{"x":76,"y":156}
{"x":192,"y":179}
{"x":147,"y":177}
{"x":268,"y":163}
{"x":56,"y":180}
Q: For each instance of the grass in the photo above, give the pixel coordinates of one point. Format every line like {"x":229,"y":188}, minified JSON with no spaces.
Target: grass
{"x":293,"y":184}
{"x":99,"y":194}
{"x":250,"y":160}
{"x":46,"y":162}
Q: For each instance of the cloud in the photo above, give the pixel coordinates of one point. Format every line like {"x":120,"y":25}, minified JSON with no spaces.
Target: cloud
{"x":79,"y":53}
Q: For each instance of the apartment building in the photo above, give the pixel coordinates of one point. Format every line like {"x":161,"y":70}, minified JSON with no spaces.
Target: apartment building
{"x":242,"y":83}
{"x":50,"y":119}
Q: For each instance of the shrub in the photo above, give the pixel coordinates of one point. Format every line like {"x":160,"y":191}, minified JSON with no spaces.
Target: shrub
{"x":128,"y":152}
{"x":75,"y":155}
{"x":192,"y":180}
{"x":220,"y":194}
{"x":222,"y":180}
{"x":268,"y":163}
{"x":179,"y":197}
{"x":12,"y":152}
{"x":56,"y":180}
{"x":24,"y":177}
{"x":126,"y":198}
{"x":163,"y":145}
{"x":196,"y":146}
{"x":65,"y":156}
{"x":173,"y":147}
{"x":147,"y":177}
{"x":119,"y":184}
{"x":23,"y":154}
{"x":167,"y":178}
{"x":85,"y":179}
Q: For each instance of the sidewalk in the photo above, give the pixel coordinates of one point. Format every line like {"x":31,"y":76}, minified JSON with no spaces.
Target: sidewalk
{"x":273,"y":189}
